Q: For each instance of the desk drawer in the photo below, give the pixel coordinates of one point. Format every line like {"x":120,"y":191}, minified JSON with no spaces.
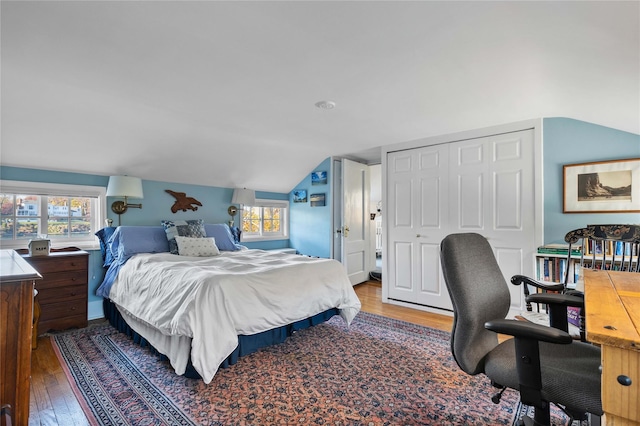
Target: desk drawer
{"x":619,"y":400}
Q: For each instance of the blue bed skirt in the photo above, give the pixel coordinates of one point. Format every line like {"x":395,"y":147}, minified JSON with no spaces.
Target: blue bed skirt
{"x":246,"y":344}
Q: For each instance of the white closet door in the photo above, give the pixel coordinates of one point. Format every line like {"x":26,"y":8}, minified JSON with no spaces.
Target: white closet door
{"x":482,"y":185}
{"x":418,"y":200}
{"x":493,"y":181}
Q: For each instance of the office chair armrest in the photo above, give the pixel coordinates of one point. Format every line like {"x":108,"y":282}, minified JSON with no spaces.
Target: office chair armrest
{"x":527,"y":330}
{"x":522,"y":279}
{"x":556,"y":299}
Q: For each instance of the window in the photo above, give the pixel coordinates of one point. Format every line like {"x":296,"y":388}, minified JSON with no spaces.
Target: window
{"x":267,"y":220}
{"x":65,"y":214}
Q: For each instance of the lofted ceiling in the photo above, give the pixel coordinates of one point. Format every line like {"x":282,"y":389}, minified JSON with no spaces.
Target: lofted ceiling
{"x":222,"y":93}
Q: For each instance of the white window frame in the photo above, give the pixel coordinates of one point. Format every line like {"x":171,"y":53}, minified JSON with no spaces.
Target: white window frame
{"x":60,"y":190}
{"x":284,"y":225}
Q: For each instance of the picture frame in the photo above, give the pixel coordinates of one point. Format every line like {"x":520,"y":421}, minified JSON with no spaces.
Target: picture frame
{"x":602,"y":187}
{"x":299,"y":195}
{"x":317,"y":200}
{"x":319,"y":178}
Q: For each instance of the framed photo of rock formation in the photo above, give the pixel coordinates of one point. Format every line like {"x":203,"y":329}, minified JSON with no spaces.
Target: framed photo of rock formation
{"x":602,"y":187}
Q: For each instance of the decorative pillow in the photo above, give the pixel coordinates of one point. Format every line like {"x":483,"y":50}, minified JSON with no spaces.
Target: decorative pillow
{"x":199,"y":247}
{"x":184,"y":228}
{"x":222,"y":234}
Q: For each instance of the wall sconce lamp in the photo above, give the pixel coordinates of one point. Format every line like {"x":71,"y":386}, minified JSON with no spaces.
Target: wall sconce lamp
{"x":242,"y":196}
{"x":124,"y":186}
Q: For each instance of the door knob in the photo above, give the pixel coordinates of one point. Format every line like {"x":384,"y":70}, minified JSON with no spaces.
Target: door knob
{"x":346,"y":231}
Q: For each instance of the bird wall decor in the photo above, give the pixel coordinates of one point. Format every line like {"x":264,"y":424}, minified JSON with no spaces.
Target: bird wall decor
{"x":183,"y":202}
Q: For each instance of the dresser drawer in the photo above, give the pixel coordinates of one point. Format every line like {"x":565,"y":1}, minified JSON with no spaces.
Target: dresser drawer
{"x":60,"y":294}
{"x":59,"y":279}
{"x":44,"y":264}
{"x":76,"y":321}
{"x":54,"y":311}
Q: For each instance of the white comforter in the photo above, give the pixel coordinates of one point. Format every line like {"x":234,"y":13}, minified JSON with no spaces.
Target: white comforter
{"x":176,"y":300}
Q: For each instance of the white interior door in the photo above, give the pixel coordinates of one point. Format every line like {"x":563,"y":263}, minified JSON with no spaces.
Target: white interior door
{"x":355,"y":223}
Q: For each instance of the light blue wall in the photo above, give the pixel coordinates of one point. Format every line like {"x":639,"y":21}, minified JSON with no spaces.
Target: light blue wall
{"x":311,"y":226}
{"x":156,"y":206}
{"x":568,"y":141}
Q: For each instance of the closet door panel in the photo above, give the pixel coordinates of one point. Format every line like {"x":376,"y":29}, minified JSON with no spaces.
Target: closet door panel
{"x":470,"y":192}
{"x":430,"y":195}
{"x":433,"y":291}
{"x":508,"y":200}
{"x":403,"y":204}
{"x":402,"y":271}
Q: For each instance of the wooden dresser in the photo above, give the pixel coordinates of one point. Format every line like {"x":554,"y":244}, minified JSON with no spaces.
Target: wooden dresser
{"x":63,"y":290}
{"x":17,"y":280}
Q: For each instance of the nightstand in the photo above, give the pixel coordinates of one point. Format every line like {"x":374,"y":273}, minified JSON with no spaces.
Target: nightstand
{"x":63,"y":290}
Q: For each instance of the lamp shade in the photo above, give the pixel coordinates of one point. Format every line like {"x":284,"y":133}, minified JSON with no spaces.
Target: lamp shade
{"x":124,"y":186}
{"x":244,"y":196}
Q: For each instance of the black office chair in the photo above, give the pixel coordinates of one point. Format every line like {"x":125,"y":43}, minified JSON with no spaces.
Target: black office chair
{"x":601,"y":247}
{"x":543,"y":363}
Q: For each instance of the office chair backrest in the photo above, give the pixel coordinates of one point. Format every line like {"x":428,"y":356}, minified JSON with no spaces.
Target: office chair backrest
{"x":479,"y":293}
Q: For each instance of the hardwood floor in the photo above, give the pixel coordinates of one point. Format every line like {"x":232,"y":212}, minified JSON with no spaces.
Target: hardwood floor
{"x":54,"y":403}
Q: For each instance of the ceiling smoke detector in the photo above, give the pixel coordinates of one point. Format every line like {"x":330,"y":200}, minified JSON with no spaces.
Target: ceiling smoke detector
{"x":325,"y":105}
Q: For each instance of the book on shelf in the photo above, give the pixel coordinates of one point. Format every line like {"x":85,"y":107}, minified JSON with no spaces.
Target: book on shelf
{"x":558,"y":249}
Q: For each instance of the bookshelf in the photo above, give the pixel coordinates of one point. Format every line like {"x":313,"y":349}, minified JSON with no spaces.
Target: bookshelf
{"x":553,"y":262}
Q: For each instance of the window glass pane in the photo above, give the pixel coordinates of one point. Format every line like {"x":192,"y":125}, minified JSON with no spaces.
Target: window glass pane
{"x":27,"y":205}
{"x":80,"y":227}
{"x":27,"y":228}
{"x":57,"y":227}
{"x":6,"y":216}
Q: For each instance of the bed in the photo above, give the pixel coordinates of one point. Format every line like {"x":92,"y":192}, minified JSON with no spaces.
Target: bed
{"x":203,"y":309}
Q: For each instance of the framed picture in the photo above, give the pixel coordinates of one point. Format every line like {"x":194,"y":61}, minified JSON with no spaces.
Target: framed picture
{"x":602,"y":187}
{"x":317,"y":200}
{"x":319,"y":178}
{"x":300,"y":196}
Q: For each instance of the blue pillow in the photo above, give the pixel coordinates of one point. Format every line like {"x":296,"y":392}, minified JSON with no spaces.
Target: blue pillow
{"x":104,"y":235}
{"x":184,"y":228}
{"x":222,"y":235}
{"x":130,"y":240}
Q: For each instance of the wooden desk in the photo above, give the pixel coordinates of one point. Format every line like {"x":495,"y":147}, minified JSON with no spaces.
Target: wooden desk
{"x":612,"y":302}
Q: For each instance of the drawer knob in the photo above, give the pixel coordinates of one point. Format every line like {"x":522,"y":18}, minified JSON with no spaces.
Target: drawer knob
{"x":73,"y":293}
{"x":624,"y":380}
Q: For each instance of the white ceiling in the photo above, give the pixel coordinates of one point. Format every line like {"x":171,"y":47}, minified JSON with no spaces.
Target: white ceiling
{"x":223,"y":93}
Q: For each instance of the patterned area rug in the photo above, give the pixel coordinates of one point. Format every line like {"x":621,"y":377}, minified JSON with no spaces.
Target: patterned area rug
{"x":379,"y":371}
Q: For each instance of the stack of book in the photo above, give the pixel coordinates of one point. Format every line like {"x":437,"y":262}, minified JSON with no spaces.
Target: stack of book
{"x":559,"y":249}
